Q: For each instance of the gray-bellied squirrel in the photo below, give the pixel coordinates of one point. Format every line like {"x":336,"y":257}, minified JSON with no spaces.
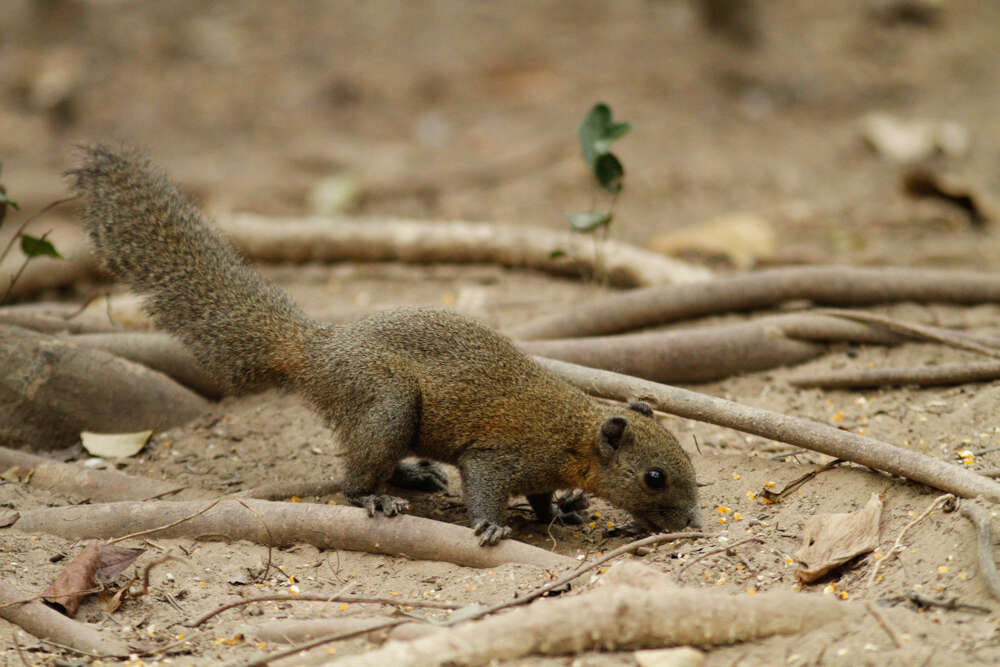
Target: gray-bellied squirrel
{"x":406,"y":382}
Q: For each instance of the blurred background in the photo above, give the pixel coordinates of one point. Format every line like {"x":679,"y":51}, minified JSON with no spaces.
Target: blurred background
{"x":792,"y":130}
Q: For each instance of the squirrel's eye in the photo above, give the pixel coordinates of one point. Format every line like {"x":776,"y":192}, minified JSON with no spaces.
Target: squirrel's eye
{"x":655,"y":479}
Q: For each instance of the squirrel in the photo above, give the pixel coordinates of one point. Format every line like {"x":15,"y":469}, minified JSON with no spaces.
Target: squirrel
{"x":404,"y":382}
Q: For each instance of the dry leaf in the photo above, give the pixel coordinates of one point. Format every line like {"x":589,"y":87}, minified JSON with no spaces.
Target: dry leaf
{"x":75,"y":581}
{"x":922,"y":183}
{"x":9,"y":519}
{"x":115,"y":445}
{"x":830,"y":540}
{"x":96,"y":565}
{"x":114,"y":561}
{"x":740,"y":238}
{"x":17,"y":474}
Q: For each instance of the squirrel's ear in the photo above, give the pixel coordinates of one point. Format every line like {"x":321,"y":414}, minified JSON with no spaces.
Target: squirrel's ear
{"x":613,"y":434}
{"x":640,"y":406}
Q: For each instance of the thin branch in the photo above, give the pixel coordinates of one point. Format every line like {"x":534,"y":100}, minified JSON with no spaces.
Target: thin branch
{"x":354,"y":599}
{"x":980,"y":518}
{"x":880,"y":619}
{"x":913,"y":330}
{"x":898,"y":546}
{"x":680,"y":572}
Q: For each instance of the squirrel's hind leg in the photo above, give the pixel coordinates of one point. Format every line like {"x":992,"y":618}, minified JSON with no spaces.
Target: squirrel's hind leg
{"x":374,"y":445}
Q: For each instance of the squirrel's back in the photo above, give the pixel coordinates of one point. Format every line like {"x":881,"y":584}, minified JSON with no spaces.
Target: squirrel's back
{"x":243,"y":328}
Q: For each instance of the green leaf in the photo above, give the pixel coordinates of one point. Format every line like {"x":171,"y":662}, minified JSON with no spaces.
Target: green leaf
{"x":36,"y":247}
{"x":592,"y":130}
{"x":7,"y":201}
{"x":614,"y":132}
{"x":609,"y":172}
{"x":557,"y":254}
{"x":589,"y":221}
{"x":598,"y":132}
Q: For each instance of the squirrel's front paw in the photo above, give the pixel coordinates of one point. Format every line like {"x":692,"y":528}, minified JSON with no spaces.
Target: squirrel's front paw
{"x":387,"y":505}
{"x":490,"y":532}
{"x":568,"y":506}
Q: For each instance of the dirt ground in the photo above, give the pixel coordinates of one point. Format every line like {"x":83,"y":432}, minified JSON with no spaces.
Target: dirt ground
{"x":446,"y":110}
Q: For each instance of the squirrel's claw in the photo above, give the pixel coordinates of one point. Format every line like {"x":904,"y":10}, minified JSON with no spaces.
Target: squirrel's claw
{"x":490,"y":532}
{"x":387,"y":505}
{"x":421,"y":475}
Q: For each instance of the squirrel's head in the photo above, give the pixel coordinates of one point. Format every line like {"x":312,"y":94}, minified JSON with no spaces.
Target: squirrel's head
{"x":644,"y":470}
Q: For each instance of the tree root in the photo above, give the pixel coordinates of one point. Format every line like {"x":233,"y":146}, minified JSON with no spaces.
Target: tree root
{"x":980,"y":518}
{"x":833,"y":285}
{"x":613,"y":617}
{"x":50,"y":390}
{"x":783,"y":428}
{"x":95,"y":485}
{"x":419,"y":242}
{"x":159,"y":351}
{"x":324,"y":526}
{"x":688,"y":355}
{"x":926,"y":376}
{"x":556,"y":252}
{"x":704,"y":354}
{"x":46,"y":623}
{"x":558,"y":582}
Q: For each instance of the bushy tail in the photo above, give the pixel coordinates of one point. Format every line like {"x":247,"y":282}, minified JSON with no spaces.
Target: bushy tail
{"x":244,"y":329}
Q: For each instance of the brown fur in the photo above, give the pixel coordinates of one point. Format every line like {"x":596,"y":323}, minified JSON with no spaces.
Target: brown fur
{"x":414,"y":381}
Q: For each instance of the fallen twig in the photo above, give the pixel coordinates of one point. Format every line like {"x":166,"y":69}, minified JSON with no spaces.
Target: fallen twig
{"x":699,"y":557}
{"x":777,"y":496}
{"x":923,"y":602}
{"x":828,"y":285}
{"x":882,"y":623}
{"x":897,"y":546}
{"x":96,"y":485}
{"x":353,"y":599}
{"x":980,"y":519}
{"x":291,"y":631}
{"x":784,"y":428}
{"x":48,"y":624}
{"x":324,"y":526}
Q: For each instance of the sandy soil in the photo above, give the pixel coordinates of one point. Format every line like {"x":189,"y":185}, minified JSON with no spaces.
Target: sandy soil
{"x":468,"y":111}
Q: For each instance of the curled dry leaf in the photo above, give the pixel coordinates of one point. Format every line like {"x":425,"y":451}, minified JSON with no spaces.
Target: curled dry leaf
{"x":98,"y":564}
{"x":922,"y":183}
{"x":115,"y":445}
{"x":830,"y":540}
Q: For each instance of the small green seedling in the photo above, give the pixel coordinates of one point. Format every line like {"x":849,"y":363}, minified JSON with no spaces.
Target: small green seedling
{"x":597,"y":132}
{"x":31,"y":246}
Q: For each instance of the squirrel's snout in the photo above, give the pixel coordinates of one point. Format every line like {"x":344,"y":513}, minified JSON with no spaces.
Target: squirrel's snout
{"x":695,"y":519}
